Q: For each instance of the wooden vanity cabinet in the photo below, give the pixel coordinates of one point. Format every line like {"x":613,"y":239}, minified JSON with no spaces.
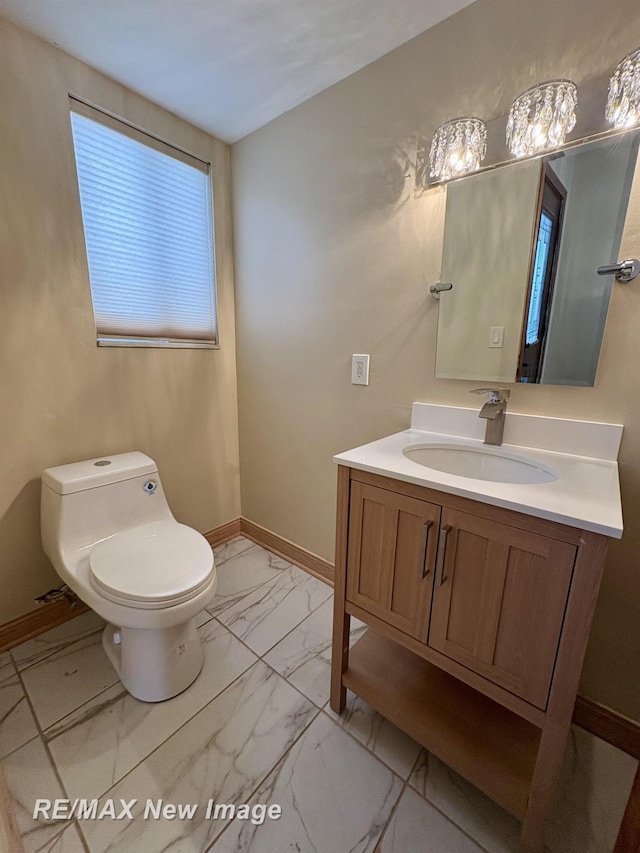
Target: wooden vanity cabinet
{"x":479,"y":619}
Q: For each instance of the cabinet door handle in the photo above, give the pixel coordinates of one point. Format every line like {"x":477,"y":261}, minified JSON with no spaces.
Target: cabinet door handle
{"x":423,"y":570}
{"x":442,"y":548}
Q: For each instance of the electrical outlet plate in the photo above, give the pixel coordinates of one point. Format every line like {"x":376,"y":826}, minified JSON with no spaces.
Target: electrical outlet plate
{"x":360,"y":369}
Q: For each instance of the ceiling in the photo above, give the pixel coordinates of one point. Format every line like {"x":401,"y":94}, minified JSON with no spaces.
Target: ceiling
{"x":228,"y":66}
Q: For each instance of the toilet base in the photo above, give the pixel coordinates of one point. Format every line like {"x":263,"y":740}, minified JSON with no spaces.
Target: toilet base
{"x":155,"y":664}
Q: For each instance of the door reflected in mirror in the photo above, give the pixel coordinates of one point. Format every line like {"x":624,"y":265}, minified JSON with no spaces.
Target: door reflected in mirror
{"x":522,"y":244}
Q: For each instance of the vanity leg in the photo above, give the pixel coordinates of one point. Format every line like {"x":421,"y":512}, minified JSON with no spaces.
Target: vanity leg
{"x":545,"y":776}
{"x":339,"y":658}
{"x":341,"y":620}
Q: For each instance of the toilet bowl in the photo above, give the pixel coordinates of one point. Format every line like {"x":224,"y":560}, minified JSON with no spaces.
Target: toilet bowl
{"x":108,"y":530}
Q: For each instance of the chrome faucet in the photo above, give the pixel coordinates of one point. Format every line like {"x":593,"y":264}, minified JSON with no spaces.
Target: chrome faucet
{"x":493,"y":410}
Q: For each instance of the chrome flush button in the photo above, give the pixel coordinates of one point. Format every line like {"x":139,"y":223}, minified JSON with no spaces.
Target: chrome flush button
{"x":150,"y":486}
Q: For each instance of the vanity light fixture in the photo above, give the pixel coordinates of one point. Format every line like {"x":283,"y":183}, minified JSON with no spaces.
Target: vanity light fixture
{"x":541,"y":117}
{"x":623,"y":101}
{"x":458,"y":147}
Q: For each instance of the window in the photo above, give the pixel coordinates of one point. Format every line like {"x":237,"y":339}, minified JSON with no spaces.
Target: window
{"x":147,"y":215}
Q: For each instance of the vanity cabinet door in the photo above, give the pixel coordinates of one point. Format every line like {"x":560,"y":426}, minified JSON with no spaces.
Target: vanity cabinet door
{"x":391,"y":556}
{"x":499,"y":601}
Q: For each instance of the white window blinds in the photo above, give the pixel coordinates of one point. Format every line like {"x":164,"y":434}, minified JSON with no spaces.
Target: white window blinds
{"x":147,"y":215}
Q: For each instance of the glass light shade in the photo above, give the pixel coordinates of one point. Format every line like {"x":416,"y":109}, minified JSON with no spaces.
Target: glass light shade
{"x":541,"y":117}
{"x":458,"y":147}
{"x":623,"y":101}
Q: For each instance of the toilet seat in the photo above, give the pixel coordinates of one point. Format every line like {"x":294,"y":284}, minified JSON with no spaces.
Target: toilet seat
{"x":152,"y":566}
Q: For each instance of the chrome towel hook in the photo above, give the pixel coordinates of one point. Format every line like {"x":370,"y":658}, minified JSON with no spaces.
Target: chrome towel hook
{"x":624,"y":271}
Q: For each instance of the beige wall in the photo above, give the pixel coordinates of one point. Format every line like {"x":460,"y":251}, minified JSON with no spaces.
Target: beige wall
{"x":334,"y":256}
{"x":61,"y":397}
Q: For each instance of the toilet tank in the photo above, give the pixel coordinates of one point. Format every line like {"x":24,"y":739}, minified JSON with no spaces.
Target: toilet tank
{"x":85,"y":502}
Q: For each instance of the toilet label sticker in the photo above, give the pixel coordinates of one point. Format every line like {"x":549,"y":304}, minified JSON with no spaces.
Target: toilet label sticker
{"x":150,"y":486}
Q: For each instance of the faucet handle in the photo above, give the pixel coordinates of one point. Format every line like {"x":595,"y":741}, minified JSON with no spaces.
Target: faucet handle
{"x":495,"y":394}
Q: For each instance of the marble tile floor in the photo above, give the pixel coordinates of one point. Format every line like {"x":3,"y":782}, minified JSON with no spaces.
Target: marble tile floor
{"x":256,"y":729}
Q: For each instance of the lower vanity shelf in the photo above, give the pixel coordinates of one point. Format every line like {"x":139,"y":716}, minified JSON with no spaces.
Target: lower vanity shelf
{"x":489,"y":745}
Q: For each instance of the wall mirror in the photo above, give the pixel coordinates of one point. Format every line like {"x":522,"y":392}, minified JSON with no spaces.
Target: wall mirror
{"x":522,"y":244}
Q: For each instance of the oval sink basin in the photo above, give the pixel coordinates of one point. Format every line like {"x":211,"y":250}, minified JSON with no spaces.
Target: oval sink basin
{"x":479,"y":463}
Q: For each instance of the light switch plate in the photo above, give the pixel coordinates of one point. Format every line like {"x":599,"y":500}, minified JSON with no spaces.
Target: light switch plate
{"x":496,"y":336}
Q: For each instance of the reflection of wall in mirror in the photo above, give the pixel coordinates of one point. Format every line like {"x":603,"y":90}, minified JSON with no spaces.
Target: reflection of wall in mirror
{"x":489,"y":226}
{"x":598,"y":182}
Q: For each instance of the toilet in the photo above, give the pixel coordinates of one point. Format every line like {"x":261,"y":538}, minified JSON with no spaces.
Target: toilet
{"x":108,"y":530}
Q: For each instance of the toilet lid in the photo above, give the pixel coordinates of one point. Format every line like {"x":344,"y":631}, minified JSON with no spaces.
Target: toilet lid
{"x":153,"y":565}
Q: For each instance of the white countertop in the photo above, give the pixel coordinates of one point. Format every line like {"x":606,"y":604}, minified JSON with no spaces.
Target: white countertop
{"x":585,"y":495}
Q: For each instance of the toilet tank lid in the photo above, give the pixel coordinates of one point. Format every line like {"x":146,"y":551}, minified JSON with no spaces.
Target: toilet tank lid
{"x":101,"y":471}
